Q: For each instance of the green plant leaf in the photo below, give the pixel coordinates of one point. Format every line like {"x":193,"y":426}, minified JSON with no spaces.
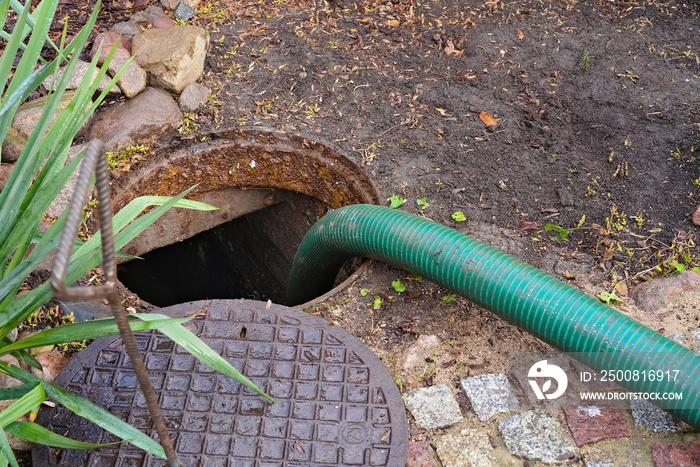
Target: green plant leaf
{"x":563,"y":233}
{"x":459,"y":216}
{"x":23,"y":405}
{"x":202,"y":351}
{"x":609,"y":298}
{"x":398,"y":285}
{"x":86,"y":330}
{"x":89,"y":411}
{"x":395,"y":201}
{"x":7,"y":451}
{"x":38,"y":434}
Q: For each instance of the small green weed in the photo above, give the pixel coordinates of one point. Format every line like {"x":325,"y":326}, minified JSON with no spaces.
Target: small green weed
{"x":395,"y":201}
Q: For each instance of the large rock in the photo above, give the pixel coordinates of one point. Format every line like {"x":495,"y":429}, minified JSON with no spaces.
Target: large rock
{"x":652,"y":296}
{"x":25,"y":121}
{"x":133,"y":81}
{"x":63,"y":199}
{"x":150,"y":115}
{"x":5,"y":171}
{"x":104,"y":43}
{"x":173,"y":57}
{"x":79,"y":72}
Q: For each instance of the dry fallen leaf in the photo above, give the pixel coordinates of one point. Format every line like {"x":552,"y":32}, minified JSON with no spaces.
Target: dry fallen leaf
{"x":621,"y":289}
{"x":488,"y":119}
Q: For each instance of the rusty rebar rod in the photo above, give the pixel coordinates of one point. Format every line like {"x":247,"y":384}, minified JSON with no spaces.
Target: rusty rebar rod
{"x":95,"y":162}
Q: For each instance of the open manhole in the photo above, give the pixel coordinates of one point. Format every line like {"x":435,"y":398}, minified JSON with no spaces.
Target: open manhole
{"x":336,"y":403}
{"x":271,"y":188}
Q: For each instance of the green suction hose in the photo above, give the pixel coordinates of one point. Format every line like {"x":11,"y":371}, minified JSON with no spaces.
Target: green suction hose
{"x":544,"y":306}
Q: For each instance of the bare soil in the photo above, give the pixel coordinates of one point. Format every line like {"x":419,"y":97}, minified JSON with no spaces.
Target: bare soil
{"x":596,"y":106}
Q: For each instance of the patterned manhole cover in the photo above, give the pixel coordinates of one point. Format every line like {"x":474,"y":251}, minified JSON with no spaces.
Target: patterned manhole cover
{"x":336,"y":404}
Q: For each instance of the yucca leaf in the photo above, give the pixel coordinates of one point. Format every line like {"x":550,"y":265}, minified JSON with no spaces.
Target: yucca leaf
{"x":16,"y":392}
{"x":86,"y":330}
{"x":23,"y":405}
{"x":188,"y":341}
{"x":7,"y":451}
{"x":40,"y":435}
{"x":89,"y":411}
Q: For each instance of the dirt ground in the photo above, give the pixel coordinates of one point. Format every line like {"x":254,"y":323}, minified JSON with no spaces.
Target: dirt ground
{"x":518,"y":114}
{"x":584,"y":115}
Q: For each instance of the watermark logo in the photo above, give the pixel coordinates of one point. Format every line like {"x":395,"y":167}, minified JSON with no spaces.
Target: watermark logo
{"x":541,"y":370}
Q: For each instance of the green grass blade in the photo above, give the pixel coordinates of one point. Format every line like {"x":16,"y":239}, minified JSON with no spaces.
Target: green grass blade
{"x":85,"y":330}
{"x":23,"y":405}
{"x":10,"y":52}
{"x":38,"y":434}
{"x":89,"y":411}
{"x":21,"y":235}
{"x":44,"y":14}
{"x":188,"y":341}
{"x":7,"y":450}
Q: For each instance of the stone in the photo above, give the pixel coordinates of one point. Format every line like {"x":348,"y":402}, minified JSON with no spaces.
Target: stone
{"x":193,"y":97}
{"x":7,"y":381}
{"x":597,"y":458}
{"x":489,"y":394}
{"x":183,"y":11}
{"x":127,"y":29}
{"x":25,"y":120}
{"x":132,"y":81}
{"x":433,"y":407}
{"x":5,"y":171}
{"x":63,"y":199}
{"x":675,"y":455}
{"x":470,"y":448}
{"x":592,"y":423}
{"x":169,"y":4}
{"x":653,"y":295}
{"x":696,"y":216}
{"x":421,"y":349}
{"x":149,"y":116}
{"x":107,"y":40}
{"x":173,"y":57}
{"x":145,"y":17}
{"x":536,"y":436}
{"x":695,"y":337}
{"x":52,"y":363}
{"x":647,"y":415}
{"x":678,"y":338}
{"x":79,"y":72}
{"x":163,"y":22}
{"x":420,"y":455}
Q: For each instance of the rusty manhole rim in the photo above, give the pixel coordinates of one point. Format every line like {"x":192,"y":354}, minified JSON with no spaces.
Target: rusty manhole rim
{"x":251,"y":159}
{"x":322,"y":355}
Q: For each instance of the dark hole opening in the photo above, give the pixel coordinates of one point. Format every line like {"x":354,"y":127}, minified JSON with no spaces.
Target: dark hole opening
{"x":247,"y":257}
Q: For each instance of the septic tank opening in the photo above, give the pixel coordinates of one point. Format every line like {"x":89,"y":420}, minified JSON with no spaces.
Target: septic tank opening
{"x":271,"y":187}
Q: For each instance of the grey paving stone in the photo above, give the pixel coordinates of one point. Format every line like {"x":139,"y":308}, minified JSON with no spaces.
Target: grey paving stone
{"x":490,"y":394}
{"x":433,"y":407}
{"x":536,"y":436}
{"x":468,"y":448}
{"x":649,"y":416}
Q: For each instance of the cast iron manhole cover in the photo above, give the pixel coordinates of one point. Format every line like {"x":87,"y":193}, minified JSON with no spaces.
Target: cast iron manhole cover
{"x":336,"y":404}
